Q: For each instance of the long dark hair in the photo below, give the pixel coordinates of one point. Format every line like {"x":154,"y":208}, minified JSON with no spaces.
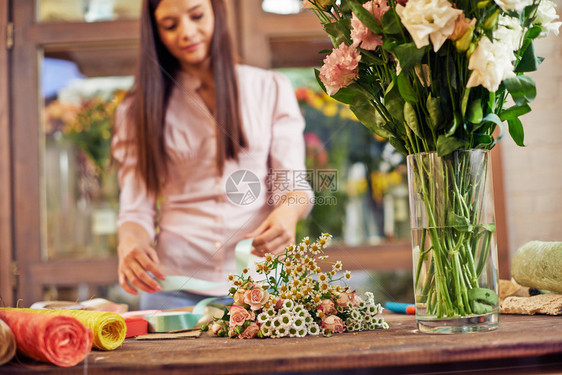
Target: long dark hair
{"x":151,"y":92}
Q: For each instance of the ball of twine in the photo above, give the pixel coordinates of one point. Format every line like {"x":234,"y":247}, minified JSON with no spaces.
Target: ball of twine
{"x":7,"y":343}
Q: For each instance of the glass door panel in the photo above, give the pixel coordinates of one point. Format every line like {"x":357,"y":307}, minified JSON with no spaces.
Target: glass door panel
{"x":81,"y":88}
{"x":87,"y":10}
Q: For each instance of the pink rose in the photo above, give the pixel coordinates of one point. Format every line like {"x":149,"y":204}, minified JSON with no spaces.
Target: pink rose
{"x":238,"y":315}
{"x":361,"y":34}
{"x":340,"y":68}
{"x":250,"y":332}
{"x":216,"y":326}
{"x":239,"y":297}
{"x":327,"y":306}
{"x":278,"y":304}
{"x":333,"y":323}
{"x":256,"y":298}
{"x":345,"y":298}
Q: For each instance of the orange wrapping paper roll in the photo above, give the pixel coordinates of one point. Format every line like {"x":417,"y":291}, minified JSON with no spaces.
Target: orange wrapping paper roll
{"x":60,"y":340}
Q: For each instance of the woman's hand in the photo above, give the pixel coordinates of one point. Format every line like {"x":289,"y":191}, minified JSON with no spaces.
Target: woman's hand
{"x":136,"y":259}
{"x":278,"y":230}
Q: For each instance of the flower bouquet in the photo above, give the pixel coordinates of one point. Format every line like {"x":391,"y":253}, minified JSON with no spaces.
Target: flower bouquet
{"x":438,"y":78}
{"x":295,"y":298}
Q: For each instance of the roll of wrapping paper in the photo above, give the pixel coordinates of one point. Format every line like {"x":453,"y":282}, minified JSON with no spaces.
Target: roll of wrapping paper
{"x":7,"y":343}
{"x":109,"y":328}
{"x":61,"y":340}
{"x":169,"y":321}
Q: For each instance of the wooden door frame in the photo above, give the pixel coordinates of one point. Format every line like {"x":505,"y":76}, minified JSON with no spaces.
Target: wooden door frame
{"x":6,"y":254}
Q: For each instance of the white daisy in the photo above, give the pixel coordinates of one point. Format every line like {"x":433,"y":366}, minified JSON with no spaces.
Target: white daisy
{"x":301,"y":332}
{"x":313,"y":329}
{"x":262,"y":318}
{"x":288,"y":304}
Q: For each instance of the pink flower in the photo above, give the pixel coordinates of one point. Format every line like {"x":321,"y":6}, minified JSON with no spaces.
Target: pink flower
{"x":377,"y":8}
{"x":238,"y":315}
{"x":462,"y":25}
{"x":340,"y":68}
{"x":361,"y":34}
{"x":216,"y":326}
{"x":250,"y":332}
{"x":315,"y":149}
{"x":239,"y":296}
{"x":333,"y":323}
{"x":345,"y":298}
{"x":278,"y":304}
{"x":256,"y":298}
{"x":327,"y":306}
{"x":402,"y":2}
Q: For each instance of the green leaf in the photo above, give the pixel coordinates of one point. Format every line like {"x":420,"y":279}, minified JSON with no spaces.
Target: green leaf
{"x":522,"y":89}
{"x":533,"y":32}
{"x":390,"y":44}
{"x":411,"y":119}
{"x":434,"y":109}
{"x":475,"y":111}
{"x":482,"y":141}
{"x":514,"y":112}
{"x":365,"y":16}
{"x":529,"y":61}
{"x":516,"y":131}
{"x":460,"y":223}
{"x":483,"y":295}
{"x":409,"y":55}
{"x":489,"y":227}
{"x":390,"y":24}
{"x":394,"y":102}
{"x":365,"y":112}
{"x":339,"y":31}
{"x":399,"y":145}
{"x":456,"y":122}
{"x":446,"y":145}
{"x":406,"y":89}
{"x":492,"y":117}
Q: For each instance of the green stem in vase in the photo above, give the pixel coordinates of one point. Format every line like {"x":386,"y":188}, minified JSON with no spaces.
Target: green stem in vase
{"x":460,"y":245}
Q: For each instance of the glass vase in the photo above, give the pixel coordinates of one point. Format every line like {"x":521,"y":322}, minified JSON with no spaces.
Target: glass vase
{"x":455,"y":266}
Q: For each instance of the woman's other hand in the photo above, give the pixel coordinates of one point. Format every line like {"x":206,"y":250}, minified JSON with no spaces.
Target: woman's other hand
{"x":278,"y":230}
{"x":136,"y":259}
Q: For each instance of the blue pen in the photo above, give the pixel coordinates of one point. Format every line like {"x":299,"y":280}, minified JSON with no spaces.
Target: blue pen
{"x":401,"y":308}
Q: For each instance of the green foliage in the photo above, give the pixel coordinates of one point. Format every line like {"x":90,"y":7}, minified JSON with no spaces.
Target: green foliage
{"x":91,"y":131}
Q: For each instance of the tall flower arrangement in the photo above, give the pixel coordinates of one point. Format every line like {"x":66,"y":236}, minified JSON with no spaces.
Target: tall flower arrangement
{"x":434,"y":75}
{"x":440,"y":76}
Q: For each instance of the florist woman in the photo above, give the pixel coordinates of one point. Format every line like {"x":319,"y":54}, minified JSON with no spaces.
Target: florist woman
{"x":193,"y":120}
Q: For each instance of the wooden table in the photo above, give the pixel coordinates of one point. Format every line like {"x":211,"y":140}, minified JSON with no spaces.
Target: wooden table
{"x":522,"y":345}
